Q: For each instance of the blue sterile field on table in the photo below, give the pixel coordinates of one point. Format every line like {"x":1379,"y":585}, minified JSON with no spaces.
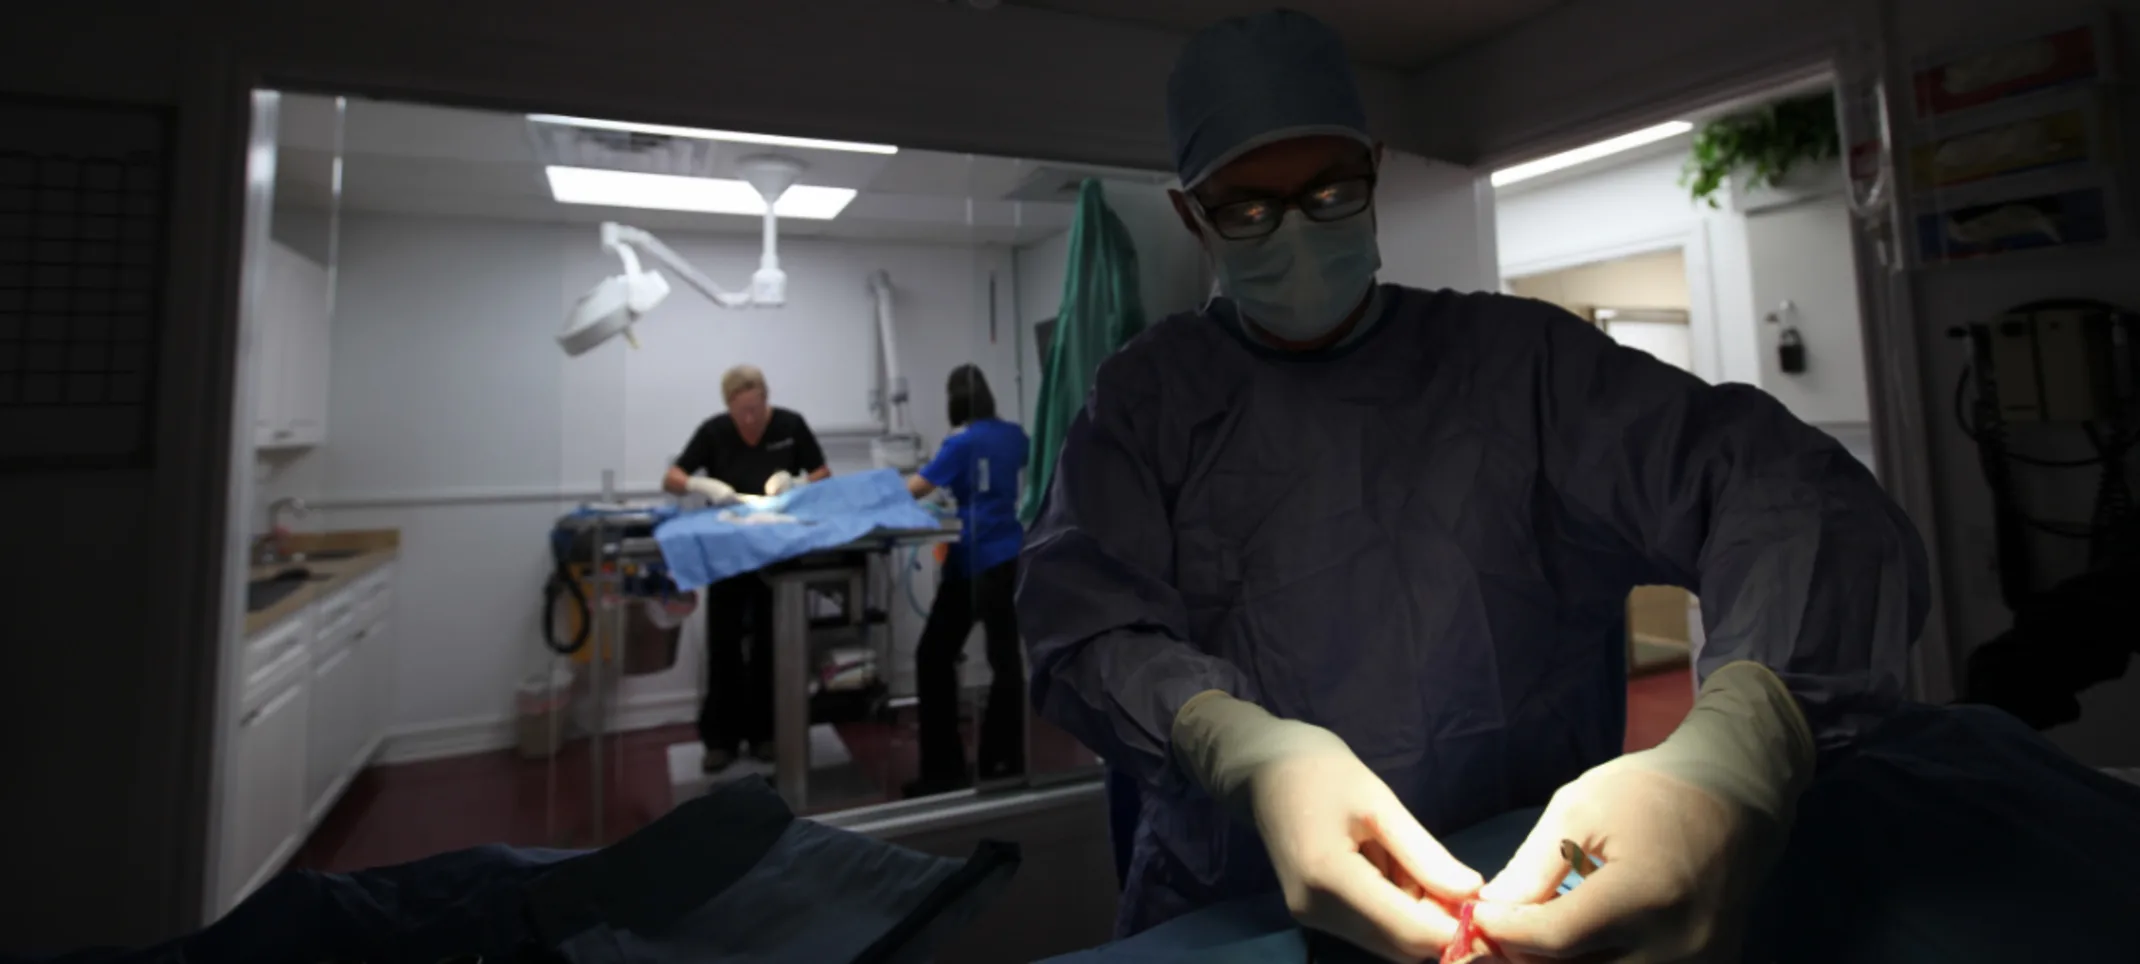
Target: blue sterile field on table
{"x":710,"y":545}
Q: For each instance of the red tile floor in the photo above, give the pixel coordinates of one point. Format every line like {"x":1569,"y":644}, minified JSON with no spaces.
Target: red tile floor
{"x":402,"y":812}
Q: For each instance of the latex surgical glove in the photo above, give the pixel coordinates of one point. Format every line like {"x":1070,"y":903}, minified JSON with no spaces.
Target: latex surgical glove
{"x":715,"y":490}
{"x":1686,"y":833}
{"x":782,"y":481}
{"x":1353,"y":862}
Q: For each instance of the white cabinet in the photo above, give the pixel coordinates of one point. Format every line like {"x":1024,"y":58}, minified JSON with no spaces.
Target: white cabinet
{"x":375,"y":638}
{"x":347,"y":689}
{"x":290,"y":351}
{"x":311,"y":713}
{"x":379,"y":684}
{"x":264,"y":808}
{"x":338,"y":698}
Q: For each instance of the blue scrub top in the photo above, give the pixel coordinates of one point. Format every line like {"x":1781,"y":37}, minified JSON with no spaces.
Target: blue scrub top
{"x":979,"y":465}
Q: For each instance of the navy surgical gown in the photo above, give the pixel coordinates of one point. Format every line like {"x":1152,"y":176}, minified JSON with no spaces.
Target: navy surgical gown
{"x":1424,"y":540}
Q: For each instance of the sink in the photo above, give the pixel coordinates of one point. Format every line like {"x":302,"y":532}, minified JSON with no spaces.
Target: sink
{"x":330,"y":555}
{"x":262,"y":593}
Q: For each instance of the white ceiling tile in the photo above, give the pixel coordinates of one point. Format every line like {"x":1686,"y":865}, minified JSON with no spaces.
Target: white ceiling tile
{"x":414,"y":159}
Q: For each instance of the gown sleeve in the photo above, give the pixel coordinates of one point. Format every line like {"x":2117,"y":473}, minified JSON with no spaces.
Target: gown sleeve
{"x":1801,"y":561}
{"x":1105,"y":628}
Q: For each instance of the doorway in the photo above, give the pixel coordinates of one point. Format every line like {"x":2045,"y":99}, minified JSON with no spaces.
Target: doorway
{"x":1754,"y":284}
{"x":1642,"y":301}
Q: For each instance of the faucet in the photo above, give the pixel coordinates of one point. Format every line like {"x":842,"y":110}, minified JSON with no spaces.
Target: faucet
{"x":272,"y":545}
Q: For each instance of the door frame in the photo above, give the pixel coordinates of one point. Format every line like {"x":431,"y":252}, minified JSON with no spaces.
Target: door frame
{"x":1894,"y":366}
{"x":1693,"y":247}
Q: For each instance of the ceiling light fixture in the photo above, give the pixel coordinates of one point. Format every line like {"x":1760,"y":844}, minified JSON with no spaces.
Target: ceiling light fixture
{"x":1591,"y":152}
{"x":707,"y":195}
{"x":775,"y":140}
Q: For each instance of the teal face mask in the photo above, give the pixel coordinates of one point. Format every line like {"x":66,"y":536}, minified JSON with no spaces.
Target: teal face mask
{"x":1300,"y":281}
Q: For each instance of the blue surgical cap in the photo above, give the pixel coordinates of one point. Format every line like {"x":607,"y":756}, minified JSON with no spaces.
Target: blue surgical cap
{"x":1245,"y":82}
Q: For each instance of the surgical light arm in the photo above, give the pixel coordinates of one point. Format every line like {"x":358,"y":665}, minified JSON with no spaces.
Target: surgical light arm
{"x":618,"y":301}
{"x":899,"y":447}
{"x":622,"y":238}
{"x":613,"y":305}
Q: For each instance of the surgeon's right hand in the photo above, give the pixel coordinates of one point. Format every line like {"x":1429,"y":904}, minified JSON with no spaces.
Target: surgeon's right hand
{"x":715,"y":490}
{"x":1353,"y":862}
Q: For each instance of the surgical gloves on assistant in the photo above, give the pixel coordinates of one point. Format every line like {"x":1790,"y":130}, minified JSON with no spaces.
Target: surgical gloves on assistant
{"x":715,"y":490}
{"x":783,"y":481}
{"x":1353,"y":862}
{"x":1686,"y":832}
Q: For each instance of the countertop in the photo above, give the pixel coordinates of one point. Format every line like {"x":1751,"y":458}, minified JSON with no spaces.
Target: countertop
{"x":374,"y":548}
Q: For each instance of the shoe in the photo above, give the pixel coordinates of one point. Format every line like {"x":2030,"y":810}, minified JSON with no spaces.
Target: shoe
{"x":931,"y":786}
{"x":762,"y":751}
{"x":716,"y":760}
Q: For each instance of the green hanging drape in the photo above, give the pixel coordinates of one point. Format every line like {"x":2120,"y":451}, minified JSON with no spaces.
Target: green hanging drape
{"x":1102,"y":308}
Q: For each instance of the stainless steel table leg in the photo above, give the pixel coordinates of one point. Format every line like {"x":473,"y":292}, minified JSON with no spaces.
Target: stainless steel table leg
{"x":595,"y":801}
{"x":791,"y":689}
{"x":858,"y":603}
{"x":597,"y":626}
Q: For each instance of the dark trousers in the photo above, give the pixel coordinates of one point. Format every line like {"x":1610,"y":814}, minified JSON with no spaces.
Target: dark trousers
{"x":960,"y":599}
{"x":739,"y":693}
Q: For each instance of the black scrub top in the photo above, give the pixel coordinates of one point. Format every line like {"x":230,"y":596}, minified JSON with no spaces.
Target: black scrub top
{"x":718,"y":450}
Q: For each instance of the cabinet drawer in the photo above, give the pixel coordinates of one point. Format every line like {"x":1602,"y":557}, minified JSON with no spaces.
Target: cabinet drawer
{"x":377,"y":583}
{"x":378,"y":592}
{"x":274,"y":678}
{"x":339,"y":607}
{"x":336,"y":631}
{"x":352,"y":606}
{"x":270,"y":647}
{"x":378,"y":607}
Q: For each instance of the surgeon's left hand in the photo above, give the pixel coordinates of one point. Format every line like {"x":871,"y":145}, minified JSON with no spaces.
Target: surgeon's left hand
{"x":1685,"y":832}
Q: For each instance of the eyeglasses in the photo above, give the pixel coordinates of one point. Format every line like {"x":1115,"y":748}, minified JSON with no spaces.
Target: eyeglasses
{"x":1335,"y":201}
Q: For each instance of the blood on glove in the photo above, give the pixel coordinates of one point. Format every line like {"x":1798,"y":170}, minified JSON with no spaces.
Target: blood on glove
{"x":1471,"y":943}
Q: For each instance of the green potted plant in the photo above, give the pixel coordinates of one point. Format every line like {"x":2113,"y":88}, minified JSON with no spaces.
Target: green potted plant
{"x":1763,"y":145}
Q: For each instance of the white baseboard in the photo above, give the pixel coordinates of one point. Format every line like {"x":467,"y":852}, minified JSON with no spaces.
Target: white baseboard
{"x":466,"y":737}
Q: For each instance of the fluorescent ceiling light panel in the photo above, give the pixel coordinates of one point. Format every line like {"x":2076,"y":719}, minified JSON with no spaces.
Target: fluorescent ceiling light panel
{"x":1588,"y":153}
{"x":774,"y":140}
{"x":708,"y":195}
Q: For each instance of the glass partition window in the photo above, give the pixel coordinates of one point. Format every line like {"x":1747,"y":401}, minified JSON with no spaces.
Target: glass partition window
{"x":479,"y":403}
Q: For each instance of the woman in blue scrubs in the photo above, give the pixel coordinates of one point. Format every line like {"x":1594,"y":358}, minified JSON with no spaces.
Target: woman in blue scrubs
{"x":979,"y":464}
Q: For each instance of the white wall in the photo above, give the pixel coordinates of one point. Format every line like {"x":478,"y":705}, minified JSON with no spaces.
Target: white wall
{"x":1435,"y":225}
{"x":1637,"y":206}
{"x":1799,"y":253}
{"x":1657,"y":280}
{"x":1654,"y":280}
{"x":1041,"y":268}
{"x":455,"y":419}
{"x":1740,"y":264}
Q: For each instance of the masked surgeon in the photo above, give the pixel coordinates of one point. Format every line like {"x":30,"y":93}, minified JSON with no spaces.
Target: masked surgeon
{"x":1333,"y":567}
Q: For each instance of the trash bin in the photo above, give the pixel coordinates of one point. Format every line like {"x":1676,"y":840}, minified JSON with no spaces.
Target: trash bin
{"x":545,"y":700}
{"x":655,"y":627}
